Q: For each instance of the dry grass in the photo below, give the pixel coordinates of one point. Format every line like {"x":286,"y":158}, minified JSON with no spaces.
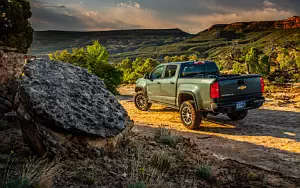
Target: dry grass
{"x":37,"y":172}
{"x":161,"y":161}
{"x":165,"y":136}
{"x":144,"y":174}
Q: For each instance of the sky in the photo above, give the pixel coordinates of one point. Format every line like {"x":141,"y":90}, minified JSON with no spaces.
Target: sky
{"x":191,"y":16}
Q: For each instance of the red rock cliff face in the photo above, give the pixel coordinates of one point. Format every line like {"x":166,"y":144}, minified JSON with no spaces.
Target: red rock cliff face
{"x":293,"y":22}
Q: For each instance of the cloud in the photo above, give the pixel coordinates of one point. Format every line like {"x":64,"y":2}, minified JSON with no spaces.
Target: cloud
{"x":129,"y":4}
{"x":189,"y":15}
{"x":117,"y":17}
{"x":41,"y":5}
{"x":205,"y":21}
{"x":268,"y":4}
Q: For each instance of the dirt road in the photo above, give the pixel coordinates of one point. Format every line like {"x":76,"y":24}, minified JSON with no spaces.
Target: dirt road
{"x":268,"y":138}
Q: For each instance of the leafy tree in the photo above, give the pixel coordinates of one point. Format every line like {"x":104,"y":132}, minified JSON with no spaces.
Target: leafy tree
{"x":193,"y":57}
{"x":95,"y":59}
{"x":15,"y":29}
{"x":252,"y":60}
{"x":264,"y":65}
{"x":239,"y":68}
{"x":132,"y":70}
{"x":176,"y":58}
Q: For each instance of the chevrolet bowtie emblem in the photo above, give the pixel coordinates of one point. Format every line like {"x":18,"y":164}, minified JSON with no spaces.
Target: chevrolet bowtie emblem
{"x":242,"y":87}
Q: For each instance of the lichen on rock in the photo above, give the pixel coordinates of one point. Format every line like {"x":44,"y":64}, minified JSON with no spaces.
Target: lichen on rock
{"x":57,"y":99}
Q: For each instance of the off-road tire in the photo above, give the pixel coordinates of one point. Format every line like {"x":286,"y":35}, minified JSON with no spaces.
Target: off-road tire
{"x":237,"y":115}
{"x":137,"y":97}
{"x":195,"y":115}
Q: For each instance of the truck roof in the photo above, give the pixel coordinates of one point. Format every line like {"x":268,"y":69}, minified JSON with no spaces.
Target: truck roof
{"x":187,"y":62}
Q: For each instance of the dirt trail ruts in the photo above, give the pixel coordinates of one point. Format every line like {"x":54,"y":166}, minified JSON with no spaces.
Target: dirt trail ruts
{"x":268,"y":138}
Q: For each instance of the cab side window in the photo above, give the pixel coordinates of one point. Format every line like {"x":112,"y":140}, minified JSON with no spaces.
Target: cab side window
{"x":170,"y":71}
{"x":157,"y":73}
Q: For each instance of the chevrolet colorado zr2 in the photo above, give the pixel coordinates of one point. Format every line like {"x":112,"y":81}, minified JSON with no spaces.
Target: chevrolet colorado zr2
{"x":198,"y":88}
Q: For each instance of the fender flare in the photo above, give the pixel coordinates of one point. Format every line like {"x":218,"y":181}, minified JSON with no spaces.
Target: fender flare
{"x":141,"y":88}
{"x":189,"y":93}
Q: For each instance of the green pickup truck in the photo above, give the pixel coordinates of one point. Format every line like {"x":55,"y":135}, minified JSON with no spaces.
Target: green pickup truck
{"x":198,"y":88}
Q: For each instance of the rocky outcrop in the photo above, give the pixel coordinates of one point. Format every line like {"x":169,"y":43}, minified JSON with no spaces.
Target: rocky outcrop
{"x":293,"y":22}
{"x":11,"y":64}
{"x":58,"y":102}
{"x":290,"y":23}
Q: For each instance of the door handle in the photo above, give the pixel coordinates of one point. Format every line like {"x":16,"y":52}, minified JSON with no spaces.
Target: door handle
{"x":172,"y":82}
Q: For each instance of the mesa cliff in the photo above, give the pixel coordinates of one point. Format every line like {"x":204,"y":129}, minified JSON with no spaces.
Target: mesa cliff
{"x":290,"y":23}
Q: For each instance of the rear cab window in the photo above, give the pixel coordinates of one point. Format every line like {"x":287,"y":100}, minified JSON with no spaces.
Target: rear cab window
{"x":199,"y":70}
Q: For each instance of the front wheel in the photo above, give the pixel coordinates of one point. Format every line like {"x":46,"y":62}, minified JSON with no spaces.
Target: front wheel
{"x":141,"y":101}
{"x":238,"y":115}
{"x":190,"y":117}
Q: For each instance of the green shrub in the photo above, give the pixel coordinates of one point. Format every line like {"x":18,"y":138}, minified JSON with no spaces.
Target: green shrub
{"x":280,"y":79}
{"x":18,"y":183}
{"x":204,"y":172}
{"x":264,"y":65}
{"x":132,"y":70}
{"x":95,"y":59}
{"x":138,"y":184}
{"x":165,"y":136}
{"x":239,"y":68}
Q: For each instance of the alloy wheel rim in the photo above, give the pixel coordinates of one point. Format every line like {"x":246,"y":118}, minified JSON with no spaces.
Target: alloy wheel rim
{"x":187,"y":115}
{"x":141,"y":101}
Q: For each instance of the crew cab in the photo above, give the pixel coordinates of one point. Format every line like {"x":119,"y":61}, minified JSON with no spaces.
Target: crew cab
{"x":198,"y":88}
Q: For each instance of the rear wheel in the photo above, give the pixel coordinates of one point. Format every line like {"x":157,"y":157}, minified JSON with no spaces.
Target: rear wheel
{"x":238,"y":115}
{"x":141,"y":101}
{"x":190,"y":117}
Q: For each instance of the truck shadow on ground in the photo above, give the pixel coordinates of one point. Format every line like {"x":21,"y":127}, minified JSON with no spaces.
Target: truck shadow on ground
{"x":260,"y":122}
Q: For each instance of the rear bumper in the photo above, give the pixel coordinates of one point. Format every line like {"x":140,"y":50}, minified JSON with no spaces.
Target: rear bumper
{"x":231,"y":107}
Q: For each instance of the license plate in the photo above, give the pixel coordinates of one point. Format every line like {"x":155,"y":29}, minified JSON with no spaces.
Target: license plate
{"x":240,"y":105}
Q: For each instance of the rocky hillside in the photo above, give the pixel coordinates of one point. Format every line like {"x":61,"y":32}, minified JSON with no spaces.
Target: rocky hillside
{"x":217,"y":39}
{"x":293,"y":22}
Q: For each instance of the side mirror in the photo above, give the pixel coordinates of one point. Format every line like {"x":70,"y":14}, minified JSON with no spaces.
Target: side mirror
{"x":146,"y":76}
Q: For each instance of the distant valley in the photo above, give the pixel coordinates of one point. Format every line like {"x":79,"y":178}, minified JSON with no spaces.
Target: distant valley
{"x":158,"y":43}
{"x":117,"y":42}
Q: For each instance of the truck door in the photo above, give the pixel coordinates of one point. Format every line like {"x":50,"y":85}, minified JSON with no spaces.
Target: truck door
{"x":168,"y":84}
{"x":154,"y":87}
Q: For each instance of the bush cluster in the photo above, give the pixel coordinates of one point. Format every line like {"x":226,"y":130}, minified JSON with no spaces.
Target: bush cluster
{"x":279,"y":65}
{"x":132,"y":70}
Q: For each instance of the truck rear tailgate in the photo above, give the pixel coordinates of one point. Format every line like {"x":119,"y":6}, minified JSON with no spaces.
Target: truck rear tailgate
{"x":239,"y":85}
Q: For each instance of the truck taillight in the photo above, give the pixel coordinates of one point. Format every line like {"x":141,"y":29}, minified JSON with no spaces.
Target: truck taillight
{"x":262,"y":85}
{"x":214,"y":91}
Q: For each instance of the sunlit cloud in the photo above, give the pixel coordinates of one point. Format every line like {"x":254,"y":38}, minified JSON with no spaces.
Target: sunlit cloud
{"x":129,"y":4}
{"x":191,"y":16}
{"x":41,"y":5}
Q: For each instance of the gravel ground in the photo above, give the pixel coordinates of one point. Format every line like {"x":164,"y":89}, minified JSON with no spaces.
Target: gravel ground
{"x":268,"y":138}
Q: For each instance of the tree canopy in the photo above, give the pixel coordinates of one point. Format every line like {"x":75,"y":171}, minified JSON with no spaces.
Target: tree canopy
{"x":15,"y":28}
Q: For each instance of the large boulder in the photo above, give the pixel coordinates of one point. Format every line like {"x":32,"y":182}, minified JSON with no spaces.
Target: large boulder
{"x":58,"y":103}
